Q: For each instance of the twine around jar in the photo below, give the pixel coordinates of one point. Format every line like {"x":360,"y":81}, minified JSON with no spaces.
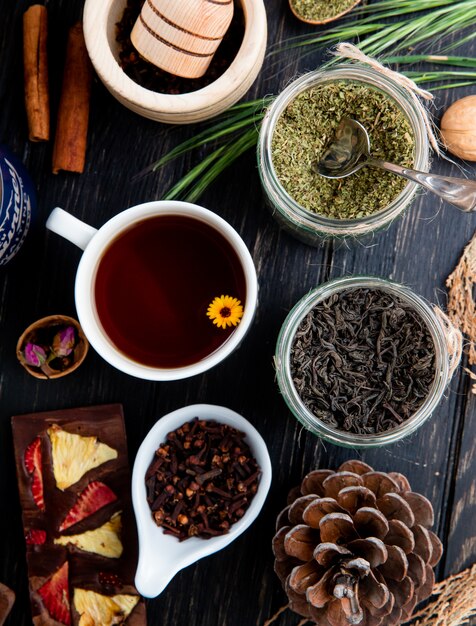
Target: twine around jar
{"x":454,"y":340}
{"x":349,"y":51}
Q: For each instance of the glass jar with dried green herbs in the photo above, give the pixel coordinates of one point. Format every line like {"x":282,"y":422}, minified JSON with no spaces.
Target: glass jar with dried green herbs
{"x":298,"y":127}
{"x":362,"y":361}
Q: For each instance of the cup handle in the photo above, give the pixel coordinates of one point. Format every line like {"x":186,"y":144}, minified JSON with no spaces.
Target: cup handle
{"x":69,"y":227}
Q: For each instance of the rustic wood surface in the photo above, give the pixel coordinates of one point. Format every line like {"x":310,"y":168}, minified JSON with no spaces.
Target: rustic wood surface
{"x":236,"y":587}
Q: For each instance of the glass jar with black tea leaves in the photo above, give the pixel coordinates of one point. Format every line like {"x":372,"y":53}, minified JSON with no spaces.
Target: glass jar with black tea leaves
{"x":301,"y":123}
{"x":362,"y":361}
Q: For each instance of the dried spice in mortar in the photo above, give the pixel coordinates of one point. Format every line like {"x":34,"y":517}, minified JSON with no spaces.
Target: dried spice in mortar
{"x":151,"y":77}
{"x":308,"y":124}
{"x":363,"y":361}
{"x":317,"y":10}
{"x":201,"y":480}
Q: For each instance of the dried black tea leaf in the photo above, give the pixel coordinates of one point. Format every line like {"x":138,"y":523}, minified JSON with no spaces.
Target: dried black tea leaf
{"x":363,"y":361}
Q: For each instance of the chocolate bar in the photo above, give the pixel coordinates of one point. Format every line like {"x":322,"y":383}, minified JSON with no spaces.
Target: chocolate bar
{"x":81,"y":539}
{"x":7,"y":598}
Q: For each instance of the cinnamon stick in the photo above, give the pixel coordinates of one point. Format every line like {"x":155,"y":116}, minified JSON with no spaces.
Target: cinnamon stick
{"x":72,"y":128}
{"x":35,"y":70}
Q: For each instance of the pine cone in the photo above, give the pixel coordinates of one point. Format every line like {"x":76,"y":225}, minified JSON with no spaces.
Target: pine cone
{"x":353,"y":547}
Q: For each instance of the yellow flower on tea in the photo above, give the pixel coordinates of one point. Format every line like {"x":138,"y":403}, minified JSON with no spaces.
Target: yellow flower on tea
{"x":225,"y":311}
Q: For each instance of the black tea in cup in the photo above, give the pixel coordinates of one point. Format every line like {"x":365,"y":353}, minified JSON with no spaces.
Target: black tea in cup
{"x":154,"y":283}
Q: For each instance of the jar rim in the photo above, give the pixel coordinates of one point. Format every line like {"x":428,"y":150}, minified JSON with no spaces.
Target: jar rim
{"x":294,"y":401}
{"x":305,"y":219}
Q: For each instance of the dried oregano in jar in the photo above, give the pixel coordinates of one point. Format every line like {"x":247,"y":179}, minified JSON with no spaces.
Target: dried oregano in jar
{"x":306,"y":127}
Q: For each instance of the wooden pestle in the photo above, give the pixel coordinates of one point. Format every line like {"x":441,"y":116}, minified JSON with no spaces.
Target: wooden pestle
{"x":181,"y":36}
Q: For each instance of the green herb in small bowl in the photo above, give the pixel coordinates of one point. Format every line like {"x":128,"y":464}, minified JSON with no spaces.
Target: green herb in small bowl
{"x":321,"y":11}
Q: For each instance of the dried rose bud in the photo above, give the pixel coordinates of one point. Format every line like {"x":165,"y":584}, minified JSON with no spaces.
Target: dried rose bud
{"x":34,"y":355}
{"x":64,"y":342}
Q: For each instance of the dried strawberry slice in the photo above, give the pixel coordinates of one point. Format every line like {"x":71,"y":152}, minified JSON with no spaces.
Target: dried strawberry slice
{"x":33,"y":466}
{"x":55,"y":596}
{"x":35,"y":537}
{"x":94,"y":497}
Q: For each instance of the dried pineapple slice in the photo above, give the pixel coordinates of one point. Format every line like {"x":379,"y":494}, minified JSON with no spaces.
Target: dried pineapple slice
{"x":98,"y":610}
{"x":104,"y":540}
{"x":74,"y":455}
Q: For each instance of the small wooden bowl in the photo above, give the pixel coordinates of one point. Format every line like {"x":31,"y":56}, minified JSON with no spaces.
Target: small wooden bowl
{"x":99,"y":23}
{"x":80,"y":350}
{"x":327,"y":20}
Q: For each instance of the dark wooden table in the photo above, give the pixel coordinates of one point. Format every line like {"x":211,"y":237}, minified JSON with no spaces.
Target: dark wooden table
{"x":236,"y":587}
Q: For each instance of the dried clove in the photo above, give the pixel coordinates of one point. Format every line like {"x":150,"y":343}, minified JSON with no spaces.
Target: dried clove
{"x":201,"y":480}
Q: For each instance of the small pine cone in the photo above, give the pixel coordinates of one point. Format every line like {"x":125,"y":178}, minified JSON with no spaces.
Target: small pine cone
{"x":353,"y":547}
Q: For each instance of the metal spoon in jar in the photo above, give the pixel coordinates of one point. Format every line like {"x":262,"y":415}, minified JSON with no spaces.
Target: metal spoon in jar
{"x":350,"y":151}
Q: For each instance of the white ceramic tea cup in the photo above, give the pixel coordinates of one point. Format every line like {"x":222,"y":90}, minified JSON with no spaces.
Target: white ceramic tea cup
{"x":162,"y":556}
{"x":95,"y":242}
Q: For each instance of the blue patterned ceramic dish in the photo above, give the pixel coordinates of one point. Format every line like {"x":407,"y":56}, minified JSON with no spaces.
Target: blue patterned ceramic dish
{"x":17,"y":205}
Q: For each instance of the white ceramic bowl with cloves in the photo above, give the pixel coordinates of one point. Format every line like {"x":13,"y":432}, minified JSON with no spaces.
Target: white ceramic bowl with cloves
{"x":162,"y":555}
